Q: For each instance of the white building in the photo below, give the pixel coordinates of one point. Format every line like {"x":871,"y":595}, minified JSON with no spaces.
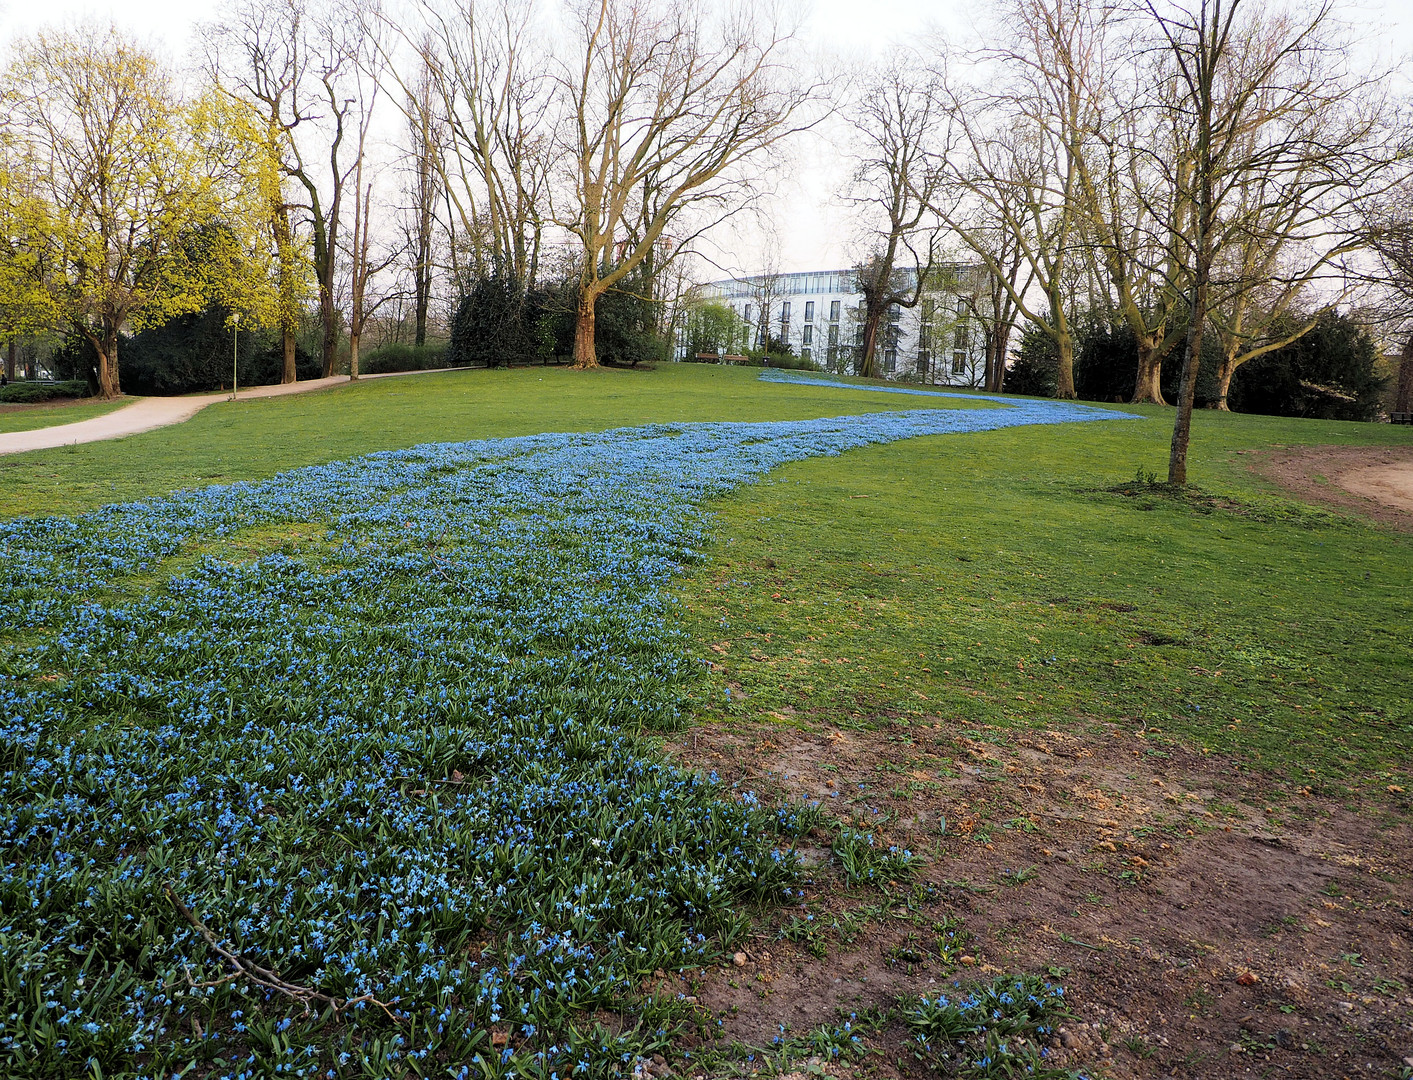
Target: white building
{"x":820,"y":314}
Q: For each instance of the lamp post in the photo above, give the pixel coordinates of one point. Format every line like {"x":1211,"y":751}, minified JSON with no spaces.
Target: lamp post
{"x":235,"y":353}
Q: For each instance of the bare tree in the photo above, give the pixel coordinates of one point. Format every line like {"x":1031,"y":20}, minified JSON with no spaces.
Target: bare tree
{"x":667,"y":92}
{"x":1389,"y":231}
{"x":362,"y":266}
{"x":1278,"y":137}
{"x":896,"y":182}
{"x":479,"y":105}
{"x":1133,"y":219}
{"x":424,"y":131}
{"x":1013,"y":156}
{"x":296,"y":65}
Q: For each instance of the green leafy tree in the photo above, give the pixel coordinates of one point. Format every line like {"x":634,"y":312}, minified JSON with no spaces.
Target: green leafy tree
{"x":109,"y":177}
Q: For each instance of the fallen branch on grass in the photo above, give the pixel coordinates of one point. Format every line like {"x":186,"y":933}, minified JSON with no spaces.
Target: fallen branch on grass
{"x":264,"y":976}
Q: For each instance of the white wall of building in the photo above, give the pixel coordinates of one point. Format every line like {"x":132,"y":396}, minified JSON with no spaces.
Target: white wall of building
{"x":820,"y":315}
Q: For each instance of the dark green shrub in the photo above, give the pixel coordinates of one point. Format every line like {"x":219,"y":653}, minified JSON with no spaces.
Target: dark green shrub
{"x":195,"y":352}
{"x":32,"y":393}
{"x":1036,"y":370}
{"x":793,"y":362}
{"x":1330,"y":373}
{"x":399,"y":357}
{"x":489,"y":327}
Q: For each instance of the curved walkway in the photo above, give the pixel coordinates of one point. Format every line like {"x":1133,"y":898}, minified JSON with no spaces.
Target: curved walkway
{"x":148,"y":413}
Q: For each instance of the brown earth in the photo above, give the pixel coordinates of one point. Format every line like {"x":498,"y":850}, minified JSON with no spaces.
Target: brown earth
{"x":1203,"y":922}
{"x":1376,"y":481}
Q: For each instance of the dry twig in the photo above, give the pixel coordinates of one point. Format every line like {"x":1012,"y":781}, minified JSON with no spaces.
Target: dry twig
{"x":264,"y":976}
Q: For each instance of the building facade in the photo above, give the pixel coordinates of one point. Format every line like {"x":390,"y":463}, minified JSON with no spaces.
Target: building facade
{"x":819,"y":314}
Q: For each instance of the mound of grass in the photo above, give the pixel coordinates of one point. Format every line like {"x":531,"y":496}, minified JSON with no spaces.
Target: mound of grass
{"x":1026,"y":578}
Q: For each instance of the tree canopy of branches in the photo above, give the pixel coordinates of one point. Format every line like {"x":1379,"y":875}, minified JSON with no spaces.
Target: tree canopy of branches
{"x":664,"y":104}
{"x":299,"y":68}
{"x":896,"y":181}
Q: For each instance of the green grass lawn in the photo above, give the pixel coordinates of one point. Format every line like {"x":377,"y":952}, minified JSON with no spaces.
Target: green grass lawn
{"x":30,"y":417}
{"x":998,"y":576}
{"x":258,"y":438}
{"x":1023,"y":577}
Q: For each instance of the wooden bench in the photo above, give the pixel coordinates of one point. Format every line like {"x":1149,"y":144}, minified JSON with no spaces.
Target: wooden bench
{"x":1401,"y":418}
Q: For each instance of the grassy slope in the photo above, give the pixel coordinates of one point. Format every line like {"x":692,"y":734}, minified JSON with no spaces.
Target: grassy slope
{"x":30,"y":417}
{"x":990,"y":575}
{"x":998,"y":577}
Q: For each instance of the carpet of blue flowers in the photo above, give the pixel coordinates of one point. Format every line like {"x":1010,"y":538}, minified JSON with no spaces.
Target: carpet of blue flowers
{"x":344,"y":805}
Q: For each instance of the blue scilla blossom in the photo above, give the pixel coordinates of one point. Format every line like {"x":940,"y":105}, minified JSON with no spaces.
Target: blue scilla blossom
{"x":372,"y":725}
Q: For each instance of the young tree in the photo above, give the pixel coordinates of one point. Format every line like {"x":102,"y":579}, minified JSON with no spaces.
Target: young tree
{"x":896,"y":181}
{"x":114,"y":185}
{"x":1279,"y":137}
{"x":668,"y":92}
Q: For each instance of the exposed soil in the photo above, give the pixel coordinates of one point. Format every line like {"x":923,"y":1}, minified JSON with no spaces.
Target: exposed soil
{"x":1204,"y":922}
{"x":1376,"y":481}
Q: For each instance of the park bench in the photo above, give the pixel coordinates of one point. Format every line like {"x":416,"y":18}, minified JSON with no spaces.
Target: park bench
{"x":1401,"y":418}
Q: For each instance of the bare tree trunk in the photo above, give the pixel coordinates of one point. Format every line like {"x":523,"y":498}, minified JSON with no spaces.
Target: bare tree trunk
{"x":1148,"y":387}
{"x":1224,"y":373}
{"x":584,"y":355}
{"x":868,"y":356}
{"x":10,"y":362}
{"x":353,"y":356}
{"x":290,"y":372}
{"x":1403,"y":400}
{"x":285,"y":256}
{"x":423,"y":288}
{"x":329,"y":319}
{"x":1064,"y":377}
{"x":107,"y":352}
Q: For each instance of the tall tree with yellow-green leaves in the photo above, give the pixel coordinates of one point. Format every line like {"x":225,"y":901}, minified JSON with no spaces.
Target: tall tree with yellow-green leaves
{"x":112,"y":176}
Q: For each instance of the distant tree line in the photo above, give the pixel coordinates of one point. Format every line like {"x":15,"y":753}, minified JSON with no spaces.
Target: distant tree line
{"x":553,"y":169}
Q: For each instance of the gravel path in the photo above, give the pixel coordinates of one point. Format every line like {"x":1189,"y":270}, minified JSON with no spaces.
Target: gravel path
{"x":145,"y":414}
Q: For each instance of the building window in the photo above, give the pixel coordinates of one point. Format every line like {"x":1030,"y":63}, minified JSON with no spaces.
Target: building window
{"x":804,"y":354}
{"x":809,"y":311}
{"x":784,"y":312}
{"x":959,"y":339}
{"x":894,"y":313}
{"x":808,"y":338}
{"x":747,"y":313}
{"x":833,"y":334}
{"x":834,"y":311}
{"x":890,"y":360}
{"x":959,"y":363}
{"x":922,"y":359}
{"x":858,"y":334}
{"x":833,"y":355}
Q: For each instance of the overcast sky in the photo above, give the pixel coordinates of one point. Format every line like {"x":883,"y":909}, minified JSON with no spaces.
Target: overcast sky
{"x":811,"y":229}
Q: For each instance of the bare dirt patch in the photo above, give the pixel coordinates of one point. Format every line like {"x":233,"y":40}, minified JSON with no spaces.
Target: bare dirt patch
{"x":1205,"y":922}
{"x":1376,"y":481}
